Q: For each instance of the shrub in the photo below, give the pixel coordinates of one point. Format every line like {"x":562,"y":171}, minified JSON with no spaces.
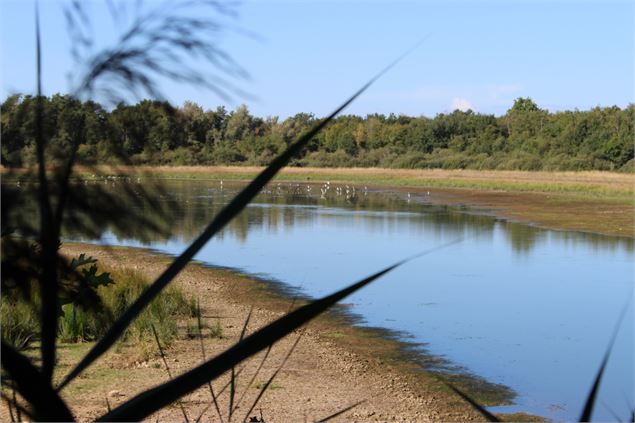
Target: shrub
{"x":226,"y":153}
{"x":87,"y":154}
{"x":629,"y":166}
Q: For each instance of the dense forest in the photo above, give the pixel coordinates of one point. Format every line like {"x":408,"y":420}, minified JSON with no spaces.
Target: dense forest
{"x":526,"y":137}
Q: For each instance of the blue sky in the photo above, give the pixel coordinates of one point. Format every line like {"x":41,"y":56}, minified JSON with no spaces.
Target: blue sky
{"x":310,"y":55}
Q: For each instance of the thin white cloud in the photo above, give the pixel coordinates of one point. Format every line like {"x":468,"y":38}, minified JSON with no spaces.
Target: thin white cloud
{"x":502,"y":93}
{"x":461,"y":104}
{"x":429,"y":100}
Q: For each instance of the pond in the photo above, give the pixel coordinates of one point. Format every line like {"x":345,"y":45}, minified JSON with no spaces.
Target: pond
{"x":529,"y":308}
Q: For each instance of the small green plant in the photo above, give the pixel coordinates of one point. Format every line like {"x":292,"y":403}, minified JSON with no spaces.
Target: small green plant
{"x":195,"y":310}
{"x":259,"y":384}
{"x":74,"y":325}
{"x":197,"y":329}
{"x":193,"y":331}
{"x":216,"y":331}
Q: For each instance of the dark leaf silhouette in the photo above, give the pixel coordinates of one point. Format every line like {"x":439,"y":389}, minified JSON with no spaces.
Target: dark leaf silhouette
{"x":33,"y":387}
{"x":237,"y":204}
{"x":489,"y":416}
{"x":340,"y":412}
{"x":587,"y":412}
{"x":149,"y":401}
{"x":153,"y":43}
{"x":273,"y":376}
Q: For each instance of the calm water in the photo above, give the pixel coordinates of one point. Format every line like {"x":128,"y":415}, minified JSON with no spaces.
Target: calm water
{"x":529,"y":308}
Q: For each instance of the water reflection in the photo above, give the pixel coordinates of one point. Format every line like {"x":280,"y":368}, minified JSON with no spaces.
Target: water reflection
{"x":185,"y":206}
{"x":108,"y":205}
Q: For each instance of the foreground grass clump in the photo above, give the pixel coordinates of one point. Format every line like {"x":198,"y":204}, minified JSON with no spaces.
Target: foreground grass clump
{"x":20,"y":321}
{"x":160,"y":312}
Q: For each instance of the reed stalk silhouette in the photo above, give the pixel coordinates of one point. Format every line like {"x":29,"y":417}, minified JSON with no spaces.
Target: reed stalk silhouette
{"x":154,"y":44}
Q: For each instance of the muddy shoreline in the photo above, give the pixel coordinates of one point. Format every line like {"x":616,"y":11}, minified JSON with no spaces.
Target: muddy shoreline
{"x":405,"y":351}
{"x":337,"y":361}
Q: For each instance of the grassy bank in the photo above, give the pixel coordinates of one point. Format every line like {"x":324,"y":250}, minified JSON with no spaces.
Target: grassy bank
{"x":600,"y":202}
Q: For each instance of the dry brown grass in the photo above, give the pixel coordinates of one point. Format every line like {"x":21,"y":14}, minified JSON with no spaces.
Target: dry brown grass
{"x":586,"y":177}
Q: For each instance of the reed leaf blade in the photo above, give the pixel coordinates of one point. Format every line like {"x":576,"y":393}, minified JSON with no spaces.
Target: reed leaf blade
{"x":237,"y":204}
{"x":152,"y":400}
{"x":32,"y":385}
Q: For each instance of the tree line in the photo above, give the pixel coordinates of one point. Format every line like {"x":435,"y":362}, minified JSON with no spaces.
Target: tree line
{"x":154,"y":132}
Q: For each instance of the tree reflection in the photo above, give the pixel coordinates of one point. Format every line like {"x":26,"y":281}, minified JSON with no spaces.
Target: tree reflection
{"x":178,"y":210}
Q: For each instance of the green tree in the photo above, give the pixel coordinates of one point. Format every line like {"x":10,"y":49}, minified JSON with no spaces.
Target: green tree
{"x":239,"y":124}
